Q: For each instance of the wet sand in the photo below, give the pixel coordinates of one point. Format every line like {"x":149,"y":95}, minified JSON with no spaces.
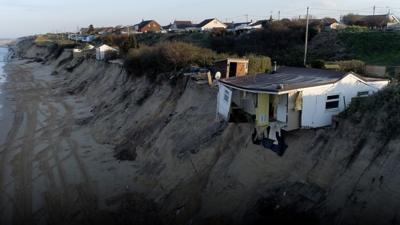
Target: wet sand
{"x":50,"y":167}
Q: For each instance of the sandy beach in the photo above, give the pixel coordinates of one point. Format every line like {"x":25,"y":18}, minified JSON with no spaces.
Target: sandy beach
{"x":50,"y":167}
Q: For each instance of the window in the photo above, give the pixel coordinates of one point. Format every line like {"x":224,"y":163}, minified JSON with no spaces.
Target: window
{"x":226,"y":96}
{"x":332,"y":97}
{"x":362,"y":93}
{"x":332,"y":102}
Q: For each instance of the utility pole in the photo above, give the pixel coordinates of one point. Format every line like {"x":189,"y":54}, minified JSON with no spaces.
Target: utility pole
{"x":247,"y":18}
{"x":306,"y":43}
{"x":374,"y":10}
{"x":279,"y":15}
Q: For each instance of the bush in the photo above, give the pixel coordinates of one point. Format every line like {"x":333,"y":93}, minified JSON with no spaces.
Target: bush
{"x":318,"y":64}
{"x":356,"y":29}
{"x":259,"y":64}
{"x":167,"y":57}
{"x":356,"y":66}
{"x":123,"y":42}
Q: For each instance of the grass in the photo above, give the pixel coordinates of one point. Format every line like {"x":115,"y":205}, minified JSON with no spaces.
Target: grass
{"x":45,"y":40}
{"x":374,"y":47}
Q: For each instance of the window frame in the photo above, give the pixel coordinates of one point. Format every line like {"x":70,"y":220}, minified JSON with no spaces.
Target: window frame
{"x":363,"y":93}
{"x":329,"y":99}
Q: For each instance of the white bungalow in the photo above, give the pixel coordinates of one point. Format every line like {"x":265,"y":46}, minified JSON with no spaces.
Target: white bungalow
{"x":210,"y":24}
{"x":104,"y":51}
{"x":293,"y":98}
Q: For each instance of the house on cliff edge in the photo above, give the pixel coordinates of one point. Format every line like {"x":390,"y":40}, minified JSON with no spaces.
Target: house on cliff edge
{"x":291,"y":98}
{"x":105,"y":52}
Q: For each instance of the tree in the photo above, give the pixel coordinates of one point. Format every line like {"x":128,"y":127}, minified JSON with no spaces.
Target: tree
{"x":128,"y":43}
{"x":91,"y":29}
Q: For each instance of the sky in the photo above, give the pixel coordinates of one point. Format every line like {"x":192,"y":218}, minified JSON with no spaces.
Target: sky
{"x":26,"y":17}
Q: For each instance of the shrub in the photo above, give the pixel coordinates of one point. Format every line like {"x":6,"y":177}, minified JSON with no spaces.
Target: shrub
{"x":123,"y":42}
{"x":259,"y":64}
{"x":356,"y":66}
{"x":167,"y":57}
{"x":318,"y":64}
{"x":356,"y":29}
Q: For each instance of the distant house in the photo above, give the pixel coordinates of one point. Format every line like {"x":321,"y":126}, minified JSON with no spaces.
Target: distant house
{"x":88,"y":38}
{"x":259,"y":24}
{"x":231,"y":67}
{"x":238,"y":27}
{"x":148,"y":26}
{"x":181,"y":25}
{"x":372,"y":21}
{"x":330,"y":24}
{"x":105,"y":52}
{"x":326,"y":24}
{"x":105,"y":30}
{"x":293,"y":98}
{"x":84,"y":31}
{"x":210,"y":24}
{"x":394,"y":23}
{"x":82,"y":38}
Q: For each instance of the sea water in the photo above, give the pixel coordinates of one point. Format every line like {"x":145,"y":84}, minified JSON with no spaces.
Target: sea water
{"x":3,"y":58}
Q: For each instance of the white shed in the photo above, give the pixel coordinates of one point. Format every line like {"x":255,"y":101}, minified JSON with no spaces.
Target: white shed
{"x":104,"y":50}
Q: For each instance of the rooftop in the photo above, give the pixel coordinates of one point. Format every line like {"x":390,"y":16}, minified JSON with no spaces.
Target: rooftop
{"x":145,"y":23}
{"x":289,"y":78}
{"x":205,"y":22}
{"x":180,"y":24}
{"x":232,"y":60}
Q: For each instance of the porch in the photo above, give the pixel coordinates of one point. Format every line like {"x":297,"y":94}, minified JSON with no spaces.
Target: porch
{"x":271,"y":114}
{"x":278,"y":111}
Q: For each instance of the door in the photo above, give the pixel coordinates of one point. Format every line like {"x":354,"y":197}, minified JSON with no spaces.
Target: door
{"x":294,"y":115}
{"x":282,"y":108}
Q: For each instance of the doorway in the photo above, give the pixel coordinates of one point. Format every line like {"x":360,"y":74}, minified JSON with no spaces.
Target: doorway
{"x":232,"y":69}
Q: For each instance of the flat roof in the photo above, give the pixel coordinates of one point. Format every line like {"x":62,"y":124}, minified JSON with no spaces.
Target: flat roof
{"x":232,"y":60}
{"x":289,"y":78}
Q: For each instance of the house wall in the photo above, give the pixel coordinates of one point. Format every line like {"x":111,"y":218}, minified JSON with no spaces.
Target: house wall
{"x":99,"y":54}
{"x":378,"y":84}
{"x":102,"y":52}
{"x":245,"y":100}
{"x":242,"y":69}
{"x":213,"y":24}
{"x":315,"y":114}
{"x":222,"y":67}
{"x":151,"y":27}
{"x":262,"y":110}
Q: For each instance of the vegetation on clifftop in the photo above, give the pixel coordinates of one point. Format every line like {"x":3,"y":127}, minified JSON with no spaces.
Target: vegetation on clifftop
{"x":379,"y":113}
{"x":167,"y":57}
